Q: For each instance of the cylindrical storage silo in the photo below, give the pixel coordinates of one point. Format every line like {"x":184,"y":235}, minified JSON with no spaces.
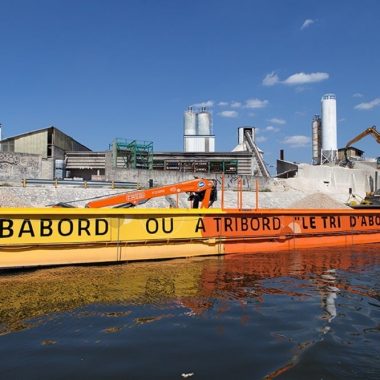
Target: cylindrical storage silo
{"x":204,"y":122}
{"x":190,"y":122}
{"x":316,"y":140}
{"x":329,"y":122}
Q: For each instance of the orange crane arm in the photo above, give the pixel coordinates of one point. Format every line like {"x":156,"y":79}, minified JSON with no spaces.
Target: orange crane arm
{"x":201,"y":190}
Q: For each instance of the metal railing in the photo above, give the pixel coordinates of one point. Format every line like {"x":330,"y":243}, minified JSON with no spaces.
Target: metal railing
{"x":80,"y":183}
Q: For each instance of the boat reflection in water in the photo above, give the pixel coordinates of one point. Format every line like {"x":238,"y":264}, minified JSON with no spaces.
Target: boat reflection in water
{"x":276,"y":309}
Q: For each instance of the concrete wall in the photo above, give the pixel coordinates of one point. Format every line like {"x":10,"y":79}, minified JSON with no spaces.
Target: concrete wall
{"x":334,"y":178}
{"x":16,"y":166}
{"x":47,"y":169}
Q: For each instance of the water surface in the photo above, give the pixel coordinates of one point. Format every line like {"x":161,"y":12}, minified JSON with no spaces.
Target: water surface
{"x":294,"y":315}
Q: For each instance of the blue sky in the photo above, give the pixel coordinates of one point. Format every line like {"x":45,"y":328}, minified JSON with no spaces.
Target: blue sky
{"x":104,"y":69}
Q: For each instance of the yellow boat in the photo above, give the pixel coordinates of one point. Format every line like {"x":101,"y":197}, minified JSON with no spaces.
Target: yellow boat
{"x":57,"y":236}
{"x":99,"y":234}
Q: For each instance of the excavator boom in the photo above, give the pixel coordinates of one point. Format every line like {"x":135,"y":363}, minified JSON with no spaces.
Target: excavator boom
{"x":201,"y":191}
{"x":369,"y":131}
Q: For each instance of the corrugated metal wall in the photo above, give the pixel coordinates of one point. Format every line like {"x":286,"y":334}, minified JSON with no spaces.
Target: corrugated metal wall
{"x":35,"y":143}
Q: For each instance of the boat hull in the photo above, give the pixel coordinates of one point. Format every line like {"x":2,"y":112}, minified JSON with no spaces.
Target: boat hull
{"x":43,"y":237}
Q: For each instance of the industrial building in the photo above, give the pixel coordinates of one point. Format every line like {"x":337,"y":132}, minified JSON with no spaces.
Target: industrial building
{"x":47,"y":142}
{"x":351,"y":152}
{"x":199,"y":154}
{"x":245,"y":159}
{"x":36,"y":154}
{"x":323,"y":139}
{"x":70,"y":159}
{"x":324,"y":142}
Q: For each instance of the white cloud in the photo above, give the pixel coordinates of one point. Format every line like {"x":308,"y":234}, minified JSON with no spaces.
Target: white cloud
{"x":357,"y":95}
{"x":208,"y":103}
{"x":297,"y":141}
{"x":260,"y":139}
{"x":307,"y":23}
{"x":296,"y":79}
{"x":256,"y":103}
{"x":369,"y":105}
{"x":277,"y":121}
{"x":223,"y":104}
{"x":303,"y":78}
{"x":270,"y":79}
{"x":270,"y":128}
{"x":229,"y":114}
{"x":235,"y":104}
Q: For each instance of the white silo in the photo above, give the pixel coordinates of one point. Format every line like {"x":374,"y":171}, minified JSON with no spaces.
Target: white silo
{"x":204,"y":122}
{"x":316,"y":140}
{"x":206,"y":140}
{"x":189,"y":130}
{"x":198,"y":135}
{"x":329,"y":131}
{"x":190,"y":122}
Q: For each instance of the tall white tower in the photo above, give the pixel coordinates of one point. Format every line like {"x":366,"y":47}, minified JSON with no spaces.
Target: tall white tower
{"x":329,"y":151}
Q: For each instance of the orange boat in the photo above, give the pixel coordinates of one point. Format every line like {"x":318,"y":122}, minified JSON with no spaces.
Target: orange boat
{"x":58,"y":236}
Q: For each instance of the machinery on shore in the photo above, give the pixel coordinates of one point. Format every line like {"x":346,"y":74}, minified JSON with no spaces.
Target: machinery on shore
{"x":369,"y":131}
{"x":370,"y":201}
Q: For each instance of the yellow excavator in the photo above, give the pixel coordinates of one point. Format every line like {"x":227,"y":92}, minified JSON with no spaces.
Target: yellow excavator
{"x":369,"y":131}
{"x":371,"y":199}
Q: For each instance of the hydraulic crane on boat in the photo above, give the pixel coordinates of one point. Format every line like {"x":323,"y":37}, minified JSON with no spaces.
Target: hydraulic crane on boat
{"x":202,"y":192}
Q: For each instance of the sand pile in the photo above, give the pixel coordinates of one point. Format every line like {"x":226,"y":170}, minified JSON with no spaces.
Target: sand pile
{"x":318,"y":200}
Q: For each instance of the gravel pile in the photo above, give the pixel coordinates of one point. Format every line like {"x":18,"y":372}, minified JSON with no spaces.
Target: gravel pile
{"x":317,"y":200}
{"x":43,"y":196}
